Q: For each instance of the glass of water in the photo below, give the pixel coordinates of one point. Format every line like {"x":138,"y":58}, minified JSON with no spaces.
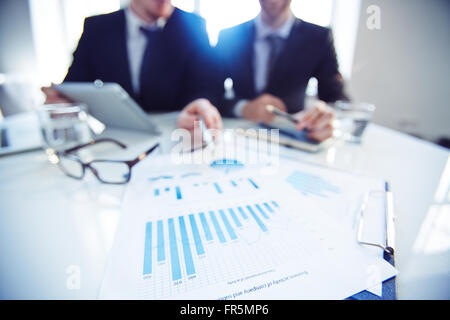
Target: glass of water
{"x":353,"y":118}
{"x":63,"y":126}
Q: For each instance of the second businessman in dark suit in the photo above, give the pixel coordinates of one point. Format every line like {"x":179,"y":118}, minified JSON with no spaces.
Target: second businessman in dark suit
{"x":271,"y":59}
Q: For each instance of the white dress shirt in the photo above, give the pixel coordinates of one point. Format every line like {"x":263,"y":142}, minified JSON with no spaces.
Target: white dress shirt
{"x":261,"y":53}
{"x":136,"y":43}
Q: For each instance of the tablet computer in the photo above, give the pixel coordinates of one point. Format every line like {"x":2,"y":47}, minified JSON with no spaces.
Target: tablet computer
{"x":289,"y":136}
{"x":109,"y":103}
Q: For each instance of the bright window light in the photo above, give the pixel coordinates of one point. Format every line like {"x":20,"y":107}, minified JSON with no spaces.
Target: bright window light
{"x":345,"y":29}
{"x":57,"y":26}
{"x":75,"y":11}
{"x":221,"y":14}
{"x":318,"y":11}
{"x":341,"y":15}
{"x":186,"y":5}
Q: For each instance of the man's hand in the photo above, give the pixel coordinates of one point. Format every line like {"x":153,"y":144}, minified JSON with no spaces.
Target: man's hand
{"x":53,"y":96}
{"x":318,"y":121}
{"x":199,"y":108}
{"x":255,"y":110}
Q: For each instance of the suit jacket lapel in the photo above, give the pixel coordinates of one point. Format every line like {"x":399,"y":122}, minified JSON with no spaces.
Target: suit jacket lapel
{"x":292,"y":46}
{"x":119,"y":52}
{"x":249,"y":56}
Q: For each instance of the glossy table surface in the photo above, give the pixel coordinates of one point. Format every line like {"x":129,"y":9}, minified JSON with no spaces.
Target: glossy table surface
{"x":53,"y":227}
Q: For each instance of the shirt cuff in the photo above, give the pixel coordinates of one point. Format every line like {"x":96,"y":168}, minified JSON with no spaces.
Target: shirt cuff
{"x":238,"y":108}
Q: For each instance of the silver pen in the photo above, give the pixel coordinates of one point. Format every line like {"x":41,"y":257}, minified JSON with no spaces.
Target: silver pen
{"x":270,"y":108}
{"x":390,"y":227}
{"x":206,"y":136}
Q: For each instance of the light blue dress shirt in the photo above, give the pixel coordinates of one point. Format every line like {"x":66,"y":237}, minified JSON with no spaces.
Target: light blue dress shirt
{"x":261,"y":52}
{"x":136,"y":43}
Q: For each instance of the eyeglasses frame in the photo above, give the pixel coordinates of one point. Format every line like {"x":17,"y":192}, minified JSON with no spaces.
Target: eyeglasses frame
{"x":69,"y":153}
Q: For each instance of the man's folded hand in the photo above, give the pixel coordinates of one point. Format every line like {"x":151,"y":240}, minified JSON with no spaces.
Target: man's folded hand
{"x":255,"y":110}
{"x":318,"y":121}
{"x":53,"y":96}
{"x":196,"y":109}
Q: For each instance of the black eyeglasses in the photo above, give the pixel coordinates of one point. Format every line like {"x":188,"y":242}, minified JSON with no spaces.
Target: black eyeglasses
{"x":106,"y":171}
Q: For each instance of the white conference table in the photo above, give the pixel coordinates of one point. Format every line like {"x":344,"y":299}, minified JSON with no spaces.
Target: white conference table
{"x":51,"y":224}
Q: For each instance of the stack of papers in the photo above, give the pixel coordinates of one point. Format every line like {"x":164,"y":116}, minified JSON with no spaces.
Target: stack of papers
{"x":235,"y":232}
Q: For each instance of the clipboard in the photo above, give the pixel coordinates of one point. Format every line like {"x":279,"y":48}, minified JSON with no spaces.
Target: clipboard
{"x":389,"y":291}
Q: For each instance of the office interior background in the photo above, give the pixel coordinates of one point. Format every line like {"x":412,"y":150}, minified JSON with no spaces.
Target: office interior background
{"x":401,"y":66}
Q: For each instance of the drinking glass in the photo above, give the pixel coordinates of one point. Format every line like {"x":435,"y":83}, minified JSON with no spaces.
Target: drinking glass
{"x":63,"y":125}
{"x":353,"y":118}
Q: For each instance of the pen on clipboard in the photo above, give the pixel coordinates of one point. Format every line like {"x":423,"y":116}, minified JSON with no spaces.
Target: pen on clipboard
{"x":270,"y":108}
{"x":390,"y":227}
{"x":389,"y":245}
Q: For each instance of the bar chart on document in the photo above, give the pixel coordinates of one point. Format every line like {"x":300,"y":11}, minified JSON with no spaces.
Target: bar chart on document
{"x":198,"y":232}
{"x":230,"y":236}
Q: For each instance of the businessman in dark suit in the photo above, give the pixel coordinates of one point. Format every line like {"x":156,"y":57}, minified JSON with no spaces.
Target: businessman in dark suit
{"x":271,"y":59}
{"x":158,"y":53}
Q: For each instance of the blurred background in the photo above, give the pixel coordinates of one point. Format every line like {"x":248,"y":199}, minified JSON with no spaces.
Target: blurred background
{"x":399,"y":61}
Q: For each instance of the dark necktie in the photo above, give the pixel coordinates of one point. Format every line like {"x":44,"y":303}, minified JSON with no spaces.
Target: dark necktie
{"x":275,"y":45}
{"x":152,"y":36}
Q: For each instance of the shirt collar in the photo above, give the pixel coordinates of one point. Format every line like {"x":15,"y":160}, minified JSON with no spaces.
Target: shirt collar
{"x":134,"y":23}
{"x":263,"y":30}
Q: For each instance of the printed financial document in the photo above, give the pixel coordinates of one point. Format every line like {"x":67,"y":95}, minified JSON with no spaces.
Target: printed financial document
{"x":200,"y":232}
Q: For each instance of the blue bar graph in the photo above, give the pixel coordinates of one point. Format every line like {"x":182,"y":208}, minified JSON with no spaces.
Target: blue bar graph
{"x":311,"y":184}
{"x":227,"y":224}
{"x":219,"y":190}
{"x":217,"y":227}
{"x":253,"y":183}
{"x":178,"y":191}
{"x":197,"y":240}
{"x":156,"y":192}
{"x":174,"y":258}
{"x":161,"y":251}
{"x":257,"y":219}
{"x":180,"y":242}
{"x":268,"y":207}
{"x":189,"y":263}
{"x":235,"y":218}
{"x":263,"y":213}
{"x":148,"y":249}
{"x":205,"y":226}
{"x":243,"y":214}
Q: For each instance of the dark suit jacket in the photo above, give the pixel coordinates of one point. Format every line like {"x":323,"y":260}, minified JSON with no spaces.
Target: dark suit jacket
{"x":307,"y":52}
{"x":180,"y":65}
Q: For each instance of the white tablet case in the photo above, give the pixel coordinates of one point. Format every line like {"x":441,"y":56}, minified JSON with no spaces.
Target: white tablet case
{"x":109,"y":103}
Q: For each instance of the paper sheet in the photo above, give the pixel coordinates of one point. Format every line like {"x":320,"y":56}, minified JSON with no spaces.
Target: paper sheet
{"x":195,"y":232}
{"x":339,"y":195}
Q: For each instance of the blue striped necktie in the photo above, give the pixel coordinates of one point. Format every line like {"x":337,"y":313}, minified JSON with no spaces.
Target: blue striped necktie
{"x":152,"y":36}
